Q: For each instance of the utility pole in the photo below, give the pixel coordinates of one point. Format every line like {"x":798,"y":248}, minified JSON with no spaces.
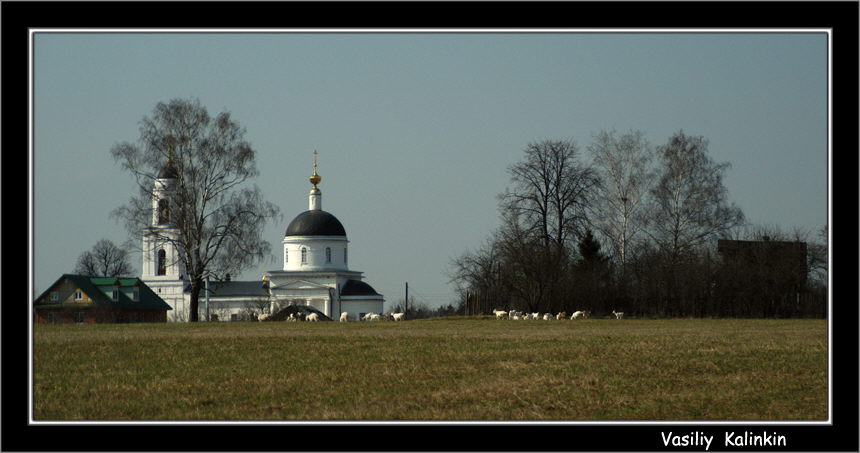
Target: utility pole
{"x":207,"y":298}
{"x":406,"y":302}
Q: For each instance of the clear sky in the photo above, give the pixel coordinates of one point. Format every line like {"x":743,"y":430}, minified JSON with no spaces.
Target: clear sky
{"x":415,"y":131}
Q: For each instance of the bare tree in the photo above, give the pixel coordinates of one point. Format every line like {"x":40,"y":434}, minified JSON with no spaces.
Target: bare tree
{"x":690,"y":210}
{"x":477,"y":277}
{"x":624,"y":165}
{"x":105,"y":259}
{"x":690,"y":203}
{"x":551,"y":192}
{"x":216,"y":221}
{"x":525,"y":264}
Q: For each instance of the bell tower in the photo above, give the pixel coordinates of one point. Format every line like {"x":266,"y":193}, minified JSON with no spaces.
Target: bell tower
{"x":162,"y":267}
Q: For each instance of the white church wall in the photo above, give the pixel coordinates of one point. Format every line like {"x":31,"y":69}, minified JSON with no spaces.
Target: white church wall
{"x":358,"y":308}
{"x":315,"y":257}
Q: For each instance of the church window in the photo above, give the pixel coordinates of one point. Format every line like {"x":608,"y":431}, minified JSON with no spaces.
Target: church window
{"x":163,"y":211}
{"x":304,"y":255}
{"x":328,"y":254}
{"x":162,"y":262}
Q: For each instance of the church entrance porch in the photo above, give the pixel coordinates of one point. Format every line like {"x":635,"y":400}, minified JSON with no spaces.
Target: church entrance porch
{"x":323,"y":305}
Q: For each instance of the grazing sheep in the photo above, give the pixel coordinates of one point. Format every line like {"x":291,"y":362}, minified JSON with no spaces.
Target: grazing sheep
{"x":535,"y":316}
{"x":547,"y":317}
{"x":313,"y":317}
{"x":262,"y":317}
{"x":515,"y":313}
{"x":374,"y":317}
{"x":500,"y":314}
{"x":398,"y":316}
{"x":578,"y":314}
{"x":618,"y":315}
{"x":561,"y":315}
{"x":344,"y":317}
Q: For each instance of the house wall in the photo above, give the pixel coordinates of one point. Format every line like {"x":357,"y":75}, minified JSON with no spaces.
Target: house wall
{"x":89,"y":315}
{"x":65,"y":291}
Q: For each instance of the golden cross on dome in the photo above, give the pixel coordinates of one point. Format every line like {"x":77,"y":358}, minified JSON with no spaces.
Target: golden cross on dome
{"x":315,"y":178}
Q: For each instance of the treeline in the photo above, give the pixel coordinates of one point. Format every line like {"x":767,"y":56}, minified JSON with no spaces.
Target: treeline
{"x":627,"y":226}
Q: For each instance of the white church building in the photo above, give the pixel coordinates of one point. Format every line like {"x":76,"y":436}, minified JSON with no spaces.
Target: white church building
{"x":315,"y":271}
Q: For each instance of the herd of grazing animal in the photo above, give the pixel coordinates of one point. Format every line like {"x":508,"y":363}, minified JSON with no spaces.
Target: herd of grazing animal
{"x":518,"y":315}
{"x":500,"y":314}
{"x":344,"y":317}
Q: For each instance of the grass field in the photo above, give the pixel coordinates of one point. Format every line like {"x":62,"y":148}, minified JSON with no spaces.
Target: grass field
{"x":437,"y":369}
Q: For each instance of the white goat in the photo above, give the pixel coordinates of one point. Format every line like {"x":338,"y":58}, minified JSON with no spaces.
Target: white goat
{"x":374,"y":317}
{"x":313,"y":317}
{"x":344,"y":317}
{"x":262,"y":316}
{"x":561,"y":315}
{"x":618,"y":315}
{"x":578,"y":314}
{"x":547,"y":317}
{"x":500,"y":314}
{"x":535,"y":316}
{"x":398,"y":316}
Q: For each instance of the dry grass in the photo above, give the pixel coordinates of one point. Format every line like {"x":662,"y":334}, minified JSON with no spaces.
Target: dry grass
{"x":450,"y":369}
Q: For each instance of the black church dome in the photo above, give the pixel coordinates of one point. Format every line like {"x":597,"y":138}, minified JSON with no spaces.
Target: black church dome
{"x":357,"y":288}
{"x":315,"y":223}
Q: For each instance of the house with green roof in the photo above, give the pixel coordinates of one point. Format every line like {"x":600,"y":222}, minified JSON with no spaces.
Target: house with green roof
{"x":88,"y":300}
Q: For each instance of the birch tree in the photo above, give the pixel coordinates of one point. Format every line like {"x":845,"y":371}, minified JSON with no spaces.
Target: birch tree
{"x":624,"y":165}
{"x":690,"y":203}
{"x":690,"y":209}
{"x":217,"y":216}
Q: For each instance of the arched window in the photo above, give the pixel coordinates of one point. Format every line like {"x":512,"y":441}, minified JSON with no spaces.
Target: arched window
{"x":304,"y":255}
{"x":328,"y":254}
{"x":163,"y":211}
{"x":162,"y":262}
